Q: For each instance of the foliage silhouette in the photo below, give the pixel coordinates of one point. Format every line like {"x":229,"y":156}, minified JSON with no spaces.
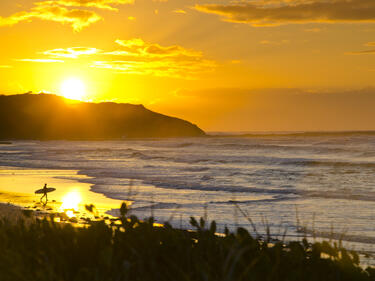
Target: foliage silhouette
{"x":134,"y":249}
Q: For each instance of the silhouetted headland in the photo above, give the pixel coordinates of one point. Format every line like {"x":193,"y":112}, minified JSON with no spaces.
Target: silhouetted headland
{"x":47,"y":116}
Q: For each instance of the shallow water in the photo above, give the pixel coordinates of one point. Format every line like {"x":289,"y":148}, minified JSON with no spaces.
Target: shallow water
{"x":325,"y":183}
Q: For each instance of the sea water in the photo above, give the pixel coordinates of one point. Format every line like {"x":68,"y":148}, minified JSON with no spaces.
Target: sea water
{"x":324,"y":184}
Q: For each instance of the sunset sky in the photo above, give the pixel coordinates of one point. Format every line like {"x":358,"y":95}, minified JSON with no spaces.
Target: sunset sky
{"x":261,"y":65}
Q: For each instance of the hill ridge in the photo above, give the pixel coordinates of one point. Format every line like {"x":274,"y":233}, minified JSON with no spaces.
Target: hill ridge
{"x":47,"y":116}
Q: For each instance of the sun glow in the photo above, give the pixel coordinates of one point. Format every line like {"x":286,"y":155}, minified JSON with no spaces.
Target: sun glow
{"x":73,"y":88}
{"x":70,"y":203}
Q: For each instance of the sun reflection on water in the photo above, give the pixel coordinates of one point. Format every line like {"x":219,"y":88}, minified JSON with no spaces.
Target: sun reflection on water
{"x":70,"y":203}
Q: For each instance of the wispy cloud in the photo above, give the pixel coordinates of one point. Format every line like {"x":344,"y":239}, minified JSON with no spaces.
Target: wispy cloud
{"x":101,"y":4}
{"x":366,"y":52}
{"x":268,"y":42}
{"x":72,"y":53}
{"x":139,"y":57}
{"x":39,"y":60}
{"x":77,"y":18}
{"x":179,"y":11}
{"x":273,"y":13}
{"x":5,"y":66}
{"x":137,"y":47}
{"x":135,"y":56}
{"x":65,"y":12}
{"x":184,"y":70}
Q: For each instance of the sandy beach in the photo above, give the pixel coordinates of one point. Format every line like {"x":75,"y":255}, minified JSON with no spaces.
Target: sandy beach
{"x":70,"y":196}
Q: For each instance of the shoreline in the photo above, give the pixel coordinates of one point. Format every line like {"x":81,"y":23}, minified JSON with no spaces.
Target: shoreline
{"x":13,"y":212}
{"x":110,"y":208}
{"x":92,"y":187}
{"x":71,"y":195}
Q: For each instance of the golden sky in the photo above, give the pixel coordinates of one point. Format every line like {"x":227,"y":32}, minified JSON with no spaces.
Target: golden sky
{"x":224,"y":65}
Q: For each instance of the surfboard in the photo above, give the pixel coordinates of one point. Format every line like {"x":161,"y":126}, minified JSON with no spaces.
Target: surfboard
{"x":47,"y":190}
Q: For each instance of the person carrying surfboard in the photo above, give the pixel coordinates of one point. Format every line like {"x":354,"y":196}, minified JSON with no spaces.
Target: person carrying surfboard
{"x":44,"y":193}
{"x":45,"y":190}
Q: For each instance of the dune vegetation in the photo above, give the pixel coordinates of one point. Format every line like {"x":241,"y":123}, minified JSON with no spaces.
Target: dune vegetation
{"x":131,"y":249}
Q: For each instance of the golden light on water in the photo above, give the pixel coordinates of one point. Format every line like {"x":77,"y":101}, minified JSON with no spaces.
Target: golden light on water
{"x":70,"y":203}
{"x":73,"y":88}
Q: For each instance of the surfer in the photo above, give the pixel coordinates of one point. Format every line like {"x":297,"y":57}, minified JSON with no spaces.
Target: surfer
{"x":45,"y":190}
{"x":44,"y":193}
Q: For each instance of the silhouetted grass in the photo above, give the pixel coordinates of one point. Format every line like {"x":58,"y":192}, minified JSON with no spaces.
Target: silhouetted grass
{"x":137,"y":250}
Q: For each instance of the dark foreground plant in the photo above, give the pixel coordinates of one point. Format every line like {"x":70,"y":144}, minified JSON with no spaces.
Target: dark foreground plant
{"x":137,"y":250}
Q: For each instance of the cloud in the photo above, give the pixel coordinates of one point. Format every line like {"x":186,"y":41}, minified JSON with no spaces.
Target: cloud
{"x":267,"y":42}
{"x":39,"y":60}
{"x":77,"y":18}
{"x":184,"y":70}
{"x":61,"y":11}
{"x":367,"y":52}
{"x":179,"y":11}
{"x":135,"y":56}
{"x":273,"y":13}
{"x":72,"y":53}
{"x":100,"y":4}
{"x":137,"y":47}
{"x":139,"y":57}
{"x":5,"y":66}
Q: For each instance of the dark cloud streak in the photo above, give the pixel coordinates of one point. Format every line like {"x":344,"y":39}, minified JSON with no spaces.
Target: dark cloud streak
{"x":292,"y":12}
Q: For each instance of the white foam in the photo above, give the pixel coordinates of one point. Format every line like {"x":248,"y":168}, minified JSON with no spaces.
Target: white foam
{"x":268,"y":175}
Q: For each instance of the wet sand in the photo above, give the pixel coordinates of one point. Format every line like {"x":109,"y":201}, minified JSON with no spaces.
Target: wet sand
{"x":17,"y":187}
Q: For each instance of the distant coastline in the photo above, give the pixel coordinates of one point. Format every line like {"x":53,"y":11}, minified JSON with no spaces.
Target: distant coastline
{"x":290,"y":134}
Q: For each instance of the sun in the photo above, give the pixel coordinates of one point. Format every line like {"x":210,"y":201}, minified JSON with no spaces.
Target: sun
{"x":73,"y":88}
{"x":70,"y":203}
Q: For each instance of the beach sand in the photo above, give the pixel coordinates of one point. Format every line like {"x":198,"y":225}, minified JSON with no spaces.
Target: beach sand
{"x":70,"y":196}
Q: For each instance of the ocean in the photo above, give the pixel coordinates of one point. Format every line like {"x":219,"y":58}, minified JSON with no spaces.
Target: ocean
{"x":319,"y":184}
